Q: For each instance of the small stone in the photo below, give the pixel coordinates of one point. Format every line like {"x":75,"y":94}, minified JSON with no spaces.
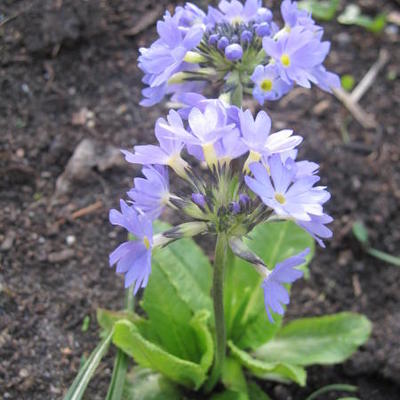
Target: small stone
{"x":23,"y":373}
{"x":70,"y":239}
{"x":20,"y":153}
{"x":8,"y":241}
{"x":60,"y":256}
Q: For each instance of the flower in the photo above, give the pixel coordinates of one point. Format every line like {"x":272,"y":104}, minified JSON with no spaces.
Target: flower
{"x":298,"y":55}
{"x":166,"y":55}
{"x":169,"y":151}
{"x":268,"y":83}
{"x":151,"y":194}
{"x":255,"y":135}
{"x":275,"y":294}
{"x":133,"y":258}
{"x":316,"y":227}
{"x":293,"y":16}
{"x":291,"y":197}
{"x":234,"y":12}
{"x":205,"y":129}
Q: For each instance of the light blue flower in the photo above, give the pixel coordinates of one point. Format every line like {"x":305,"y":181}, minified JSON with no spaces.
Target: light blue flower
{"x":275,"y":293}
{"x":133,"y":258}
{"x":268,"y":85}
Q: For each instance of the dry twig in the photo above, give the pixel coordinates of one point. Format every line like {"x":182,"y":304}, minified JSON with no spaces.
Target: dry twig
{"x":350,"y":101}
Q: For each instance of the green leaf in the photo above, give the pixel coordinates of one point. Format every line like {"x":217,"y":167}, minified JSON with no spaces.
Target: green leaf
{"x":229,"y":395}
{"x":149,"y":355}
{"x":322,"y":10}
{"x":179,"y":286}
{"x":247,"y":322}
{"x":279,"y":371}
{"x":233,"y":377}
{"x":204,"y":338}
{"x":352,"y":16}
{"x":116,"y":387}
{"x":347,"y":82}
{"x":79,"y":385}
{"x":107,"y":318}
{"x":144,"y":384}
{"x":384,"y":256}
{"x":256,"y":393}
{"x":360,"y":232}
{"x":337,"y":387}
{"x":318,"y":340}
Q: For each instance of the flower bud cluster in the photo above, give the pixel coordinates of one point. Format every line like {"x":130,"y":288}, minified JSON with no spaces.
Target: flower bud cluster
{"x":238,"y":47}
{"x":251,"y":176}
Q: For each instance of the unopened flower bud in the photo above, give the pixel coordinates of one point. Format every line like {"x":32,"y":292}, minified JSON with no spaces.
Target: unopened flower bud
{"x":234,"y":52}
{"x":264,"y":15}
{"x":213,"y":39}
{"x":199,"y":200}
{"x":222,"y":43}
{"x":235,"y":39}
{"x":246,"y":36}
{"x":263,"y":29}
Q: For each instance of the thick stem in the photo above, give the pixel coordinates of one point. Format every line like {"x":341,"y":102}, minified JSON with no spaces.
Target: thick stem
{"x":221,"y":248}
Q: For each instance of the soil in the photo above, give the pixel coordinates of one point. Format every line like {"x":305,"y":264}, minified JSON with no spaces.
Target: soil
{"x":69,"y":72}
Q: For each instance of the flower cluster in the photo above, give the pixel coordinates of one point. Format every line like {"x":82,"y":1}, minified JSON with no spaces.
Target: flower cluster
{"x":251,"y":176}
{"x":239,"y":48}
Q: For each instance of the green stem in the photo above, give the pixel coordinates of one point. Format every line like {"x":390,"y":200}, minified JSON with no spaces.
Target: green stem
{"x":218,"y":300}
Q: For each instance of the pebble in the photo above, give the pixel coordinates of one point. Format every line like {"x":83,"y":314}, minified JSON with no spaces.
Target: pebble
{"x":61,"y":256}
{"x":8,"y":241}
{"x":70,"y":239}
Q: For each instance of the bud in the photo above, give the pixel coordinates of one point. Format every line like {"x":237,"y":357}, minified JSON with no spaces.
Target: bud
{"x":240,"y":250}
{"x":263,"y":29}
{"x":188,"y":229}
{"x":222,"y":43}
{"x":234,"y":52}
{"x":193,"y":57}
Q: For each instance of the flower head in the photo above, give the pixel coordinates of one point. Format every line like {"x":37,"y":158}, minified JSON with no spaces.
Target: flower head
{"x":291,"y":197}
{"x":133,"y":258}
{"x":151,"y":194}
{"x":275,"y":293}
{"x":169,"y":150}
{"x":255,"y":135}
{"x":297,"y":55}
{"x":268,"y":85}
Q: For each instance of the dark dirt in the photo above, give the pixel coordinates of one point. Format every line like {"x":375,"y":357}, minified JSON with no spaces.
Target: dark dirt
{"x":68,"y":72}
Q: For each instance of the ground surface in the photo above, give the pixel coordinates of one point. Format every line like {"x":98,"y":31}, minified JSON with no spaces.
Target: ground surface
{"x":68,"y":72}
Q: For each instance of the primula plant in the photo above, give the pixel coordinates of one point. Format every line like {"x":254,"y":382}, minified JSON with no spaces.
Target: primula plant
{"x":209,"y":329}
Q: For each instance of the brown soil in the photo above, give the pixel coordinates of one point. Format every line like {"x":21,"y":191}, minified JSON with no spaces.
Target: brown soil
{"x":68,"y":72}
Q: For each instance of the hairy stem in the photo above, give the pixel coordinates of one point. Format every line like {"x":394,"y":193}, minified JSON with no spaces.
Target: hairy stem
{"x":221,"y":248}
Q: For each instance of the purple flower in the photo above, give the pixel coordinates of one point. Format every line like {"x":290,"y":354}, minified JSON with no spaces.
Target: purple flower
{"x":289,"y":198}
{"x":133,"y":258}
{"x":234,"y":12}
{"x":263,"y":29}
{"x":316,"y":227}
{"x":293,"y":16}
{"x":169,"y":151}
{"x":206,"y":128}
{"x":234,"y":52}
{"x":151,"y":194}
{"x":255,"y":135}
{"x":326,"y":80}
{"x":166,"y":55}
{"x":297,"y":55}
{"x":268,"y":84}
{"x":275,"y":293}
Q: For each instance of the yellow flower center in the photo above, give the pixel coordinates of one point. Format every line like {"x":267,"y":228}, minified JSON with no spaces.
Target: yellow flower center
{"x":146,"y":242}
{"x":209,"y":154}
{"x":253,"y":157}
{"x":236,"y":20}
{"x":266,"y":85}
{"x":280,"y":198}
{"x":285,"y":60}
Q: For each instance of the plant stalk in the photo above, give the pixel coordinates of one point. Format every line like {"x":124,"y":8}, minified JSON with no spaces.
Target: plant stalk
{"x":221,"y":248}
